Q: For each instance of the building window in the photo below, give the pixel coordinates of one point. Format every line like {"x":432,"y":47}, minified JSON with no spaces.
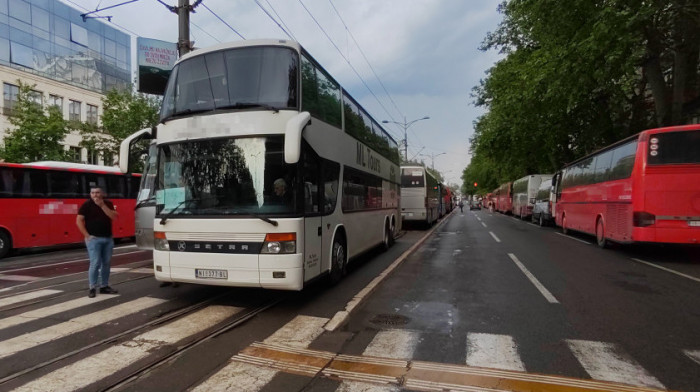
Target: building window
{"x":92,"y":114}
{"x":74,"y":110}
{"x":75,"y":154}
{"x":78,"y":34}
{"x":36,"y":97}
{"x":93,"y":157}
{"x":55,"y":100}
{"x":10,"y":93}
{"x":21,"y":55}
{"x":108,"y":159}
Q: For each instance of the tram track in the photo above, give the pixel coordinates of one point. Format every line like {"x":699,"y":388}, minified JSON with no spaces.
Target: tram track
{"x":238,"y":319}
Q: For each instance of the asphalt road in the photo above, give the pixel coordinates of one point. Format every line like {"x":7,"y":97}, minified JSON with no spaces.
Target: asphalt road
{"x":480,"y":301}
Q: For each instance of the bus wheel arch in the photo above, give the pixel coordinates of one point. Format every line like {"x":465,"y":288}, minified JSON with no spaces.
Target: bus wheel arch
{"x":600,"y":239}
{"x":5,"y":242}
{"x":339,"y":256}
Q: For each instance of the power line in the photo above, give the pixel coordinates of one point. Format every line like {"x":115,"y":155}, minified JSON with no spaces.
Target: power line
{"x":346,"y":59}
{"x":273,"y":19}
{"x":121,"y":27}
{"x":365,"y":57}
{"x":223,"y":21}
{"x":204,"y":31}
{"x":280,"y":18}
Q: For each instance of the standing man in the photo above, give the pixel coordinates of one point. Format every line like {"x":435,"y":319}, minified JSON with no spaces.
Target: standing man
{"x":94,"y":221}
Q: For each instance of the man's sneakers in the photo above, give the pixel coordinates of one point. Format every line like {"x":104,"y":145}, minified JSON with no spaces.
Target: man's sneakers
{"x":108,"y":290}
{"x":91,"y":293}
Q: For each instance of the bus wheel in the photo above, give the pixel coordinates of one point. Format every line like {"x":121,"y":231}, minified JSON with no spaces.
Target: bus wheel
{"x":600,"y":234}
{"x":338,"y":261}
{"x":5,"y":244}
{"x":541,"y":220}
{"x":564,"y":230}
{"x":386,"y":242}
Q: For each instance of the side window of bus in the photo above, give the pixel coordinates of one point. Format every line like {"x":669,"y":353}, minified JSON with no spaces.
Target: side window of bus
{"x":64,"y":184}
{"x":34,"y":184}
{"x":623,"y":160}
{"x":320,"y":94}
{"x":311,"y":174}
{"x":117,"y":187}
{"x":331,"y":173}
{"x":91,"y":180}
{"x":602,"y":166}
{"x":134,"y":183}
{"x":7,"y":182}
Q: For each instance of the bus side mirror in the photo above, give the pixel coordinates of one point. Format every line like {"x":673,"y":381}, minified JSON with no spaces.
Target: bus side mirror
{"x":126,"y":144}
{"x":292,"y":137}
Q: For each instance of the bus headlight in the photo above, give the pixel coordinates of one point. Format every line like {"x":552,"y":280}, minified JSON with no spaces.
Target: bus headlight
{"x":280,"y":243}
{"x":160,"y":242}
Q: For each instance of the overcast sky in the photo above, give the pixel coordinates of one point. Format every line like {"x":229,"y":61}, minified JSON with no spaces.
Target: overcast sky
{"x":423,"y":51}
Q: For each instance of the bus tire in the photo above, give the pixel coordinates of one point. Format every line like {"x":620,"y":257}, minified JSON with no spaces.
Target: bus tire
{"x":564,"y":230}
{"x":338,"y":261}
{"x":5,"y":243}
{"x":600,"y":234}
{"x":386,"y":239}
{"x":392,"y":230}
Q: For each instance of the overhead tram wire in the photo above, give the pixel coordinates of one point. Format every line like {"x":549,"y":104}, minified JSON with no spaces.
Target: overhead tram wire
{"x":281,"y":20}
{"x":223,"y":21}
{"x":205,"y":32}
{"x":291,"y":36}
{"x":121,"y":27}
{"x":346,"y":59}
{"x":365,"y":57}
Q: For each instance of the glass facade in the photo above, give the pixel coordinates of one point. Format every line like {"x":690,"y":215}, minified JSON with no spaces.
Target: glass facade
{"x":49,"y":38}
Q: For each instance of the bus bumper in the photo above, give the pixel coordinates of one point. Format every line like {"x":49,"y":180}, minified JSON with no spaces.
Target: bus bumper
{"x":671,"y":235}
{"x":413,"y":214}
{"x":280,"y":272}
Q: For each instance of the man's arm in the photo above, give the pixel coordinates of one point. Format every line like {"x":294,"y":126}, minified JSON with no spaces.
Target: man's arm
{"x":107,"y":209}
{"x":80,"y":222}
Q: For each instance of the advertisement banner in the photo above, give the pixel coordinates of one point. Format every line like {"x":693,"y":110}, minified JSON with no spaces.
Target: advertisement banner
{"x":156,"y":60}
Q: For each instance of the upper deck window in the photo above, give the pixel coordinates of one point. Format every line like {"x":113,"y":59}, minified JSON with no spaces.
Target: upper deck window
{"x":239,"y":78}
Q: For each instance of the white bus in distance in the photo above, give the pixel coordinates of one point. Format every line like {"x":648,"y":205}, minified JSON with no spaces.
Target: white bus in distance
{"x":269,"y":174}
{"x":420,"y":195}
{"x":525,"y":192}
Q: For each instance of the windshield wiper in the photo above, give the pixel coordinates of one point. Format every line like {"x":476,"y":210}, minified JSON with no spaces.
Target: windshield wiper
{"x":268,"y":220}
{"x":247,"y":105}
{"x":171,"y":212}
{"x":143,"y":203}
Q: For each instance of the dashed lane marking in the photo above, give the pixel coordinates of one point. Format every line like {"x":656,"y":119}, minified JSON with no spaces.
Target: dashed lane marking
{"x":547,"y":295}
{"x":494,"y":236}
{"x":483,"y":224}
{"x":573,"y":238}
{"x":694,"y":355}
{"x":666,"y":269}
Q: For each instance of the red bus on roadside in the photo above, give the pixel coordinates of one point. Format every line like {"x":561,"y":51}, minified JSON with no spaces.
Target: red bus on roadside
{"x":645,"y":188}
{"x":39,"y":202}
{"x":504,"y":198}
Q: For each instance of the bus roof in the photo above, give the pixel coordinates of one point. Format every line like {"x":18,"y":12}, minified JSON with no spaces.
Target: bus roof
{"x":237,"y":44}
{"x":57,"y":165}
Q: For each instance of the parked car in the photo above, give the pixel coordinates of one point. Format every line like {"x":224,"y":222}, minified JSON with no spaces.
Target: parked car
{"x":474,"y":205}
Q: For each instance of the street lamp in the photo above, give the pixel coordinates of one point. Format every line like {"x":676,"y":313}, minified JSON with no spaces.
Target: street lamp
{"x":432,"y":158}
{"x":405,"y":126}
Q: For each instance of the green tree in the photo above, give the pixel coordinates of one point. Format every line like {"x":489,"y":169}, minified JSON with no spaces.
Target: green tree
{"x":124,"y":112}
{"x":38,"y":131}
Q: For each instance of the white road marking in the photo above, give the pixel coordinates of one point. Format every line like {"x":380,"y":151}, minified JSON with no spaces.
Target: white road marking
{"x":547,"y":295}
{"x":694,"y":355}
{"x":483,"y":224}
{"x":50,"y":311}
{"x":19,"y":278}
{"x":356,"y":386}
{"x":494,"y":236}
{"x":477,"y":218}
{"x":393,"y":343}
{"x":573,"y":238}
{"x":92,"y":369}
{"x":604,"y":361}
{"x":242,"y":376}
{"x":456,"y":252}
{"x":666,"y":269}
{"x":33,"y":339}
{"x":26,"y":297}
{"x":493,"y":351}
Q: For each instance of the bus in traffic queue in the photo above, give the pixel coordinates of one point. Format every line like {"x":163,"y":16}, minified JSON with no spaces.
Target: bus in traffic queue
{"x":645,"y":188}
{"x":525,"y":192}
{"x":39,"y":202}
{"x":268,"y":173}
{"x":504,"y":198}
{"x":420,"y":195}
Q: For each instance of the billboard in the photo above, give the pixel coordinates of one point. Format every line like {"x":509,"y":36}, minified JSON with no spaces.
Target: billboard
{"x":156,"y":60}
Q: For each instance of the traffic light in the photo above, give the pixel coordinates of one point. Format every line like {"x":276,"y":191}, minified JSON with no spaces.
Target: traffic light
{"x":475,"y":185}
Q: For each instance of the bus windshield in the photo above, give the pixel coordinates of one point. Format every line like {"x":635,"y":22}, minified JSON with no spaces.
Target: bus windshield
{"x":412,"y":178}
{"x":241,"y":78}
{"x":231,"y":176}
{"x":670,"y":148}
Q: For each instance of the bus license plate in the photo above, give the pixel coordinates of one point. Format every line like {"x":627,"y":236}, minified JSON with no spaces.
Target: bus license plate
{"x":694,"y":223}
{"x":211,"y":274}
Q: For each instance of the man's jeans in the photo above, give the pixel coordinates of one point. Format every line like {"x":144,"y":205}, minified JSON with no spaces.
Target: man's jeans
{"x":100,"y":252}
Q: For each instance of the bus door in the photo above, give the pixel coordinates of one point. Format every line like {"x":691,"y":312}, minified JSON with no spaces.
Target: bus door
{"x":313,"y":218}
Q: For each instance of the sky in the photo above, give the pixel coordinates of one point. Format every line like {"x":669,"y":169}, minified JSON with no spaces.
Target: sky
{"x":414,"y":58}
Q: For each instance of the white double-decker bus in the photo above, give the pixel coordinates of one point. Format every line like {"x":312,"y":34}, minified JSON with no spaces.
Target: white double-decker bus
{"x":268,"y":173}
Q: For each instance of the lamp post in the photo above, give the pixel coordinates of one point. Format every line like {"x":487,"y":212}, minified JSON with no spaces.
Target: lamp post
{"x":405,"y":126}
{"x":432,"y":158}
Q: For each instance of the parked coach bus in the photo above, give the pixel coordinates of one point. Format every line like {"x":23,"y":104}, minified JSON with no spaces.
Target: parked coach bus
{"x":645,"y":188}
{"x":39,"y":202}
{"x":268,"y":173}
{"x":504,"y":198}
{"x":525,"y":192}
{"x":420,"y":196}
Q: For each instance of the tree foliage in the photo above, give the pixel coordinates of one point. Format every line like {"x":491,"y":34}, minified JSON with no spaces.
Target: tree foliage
{"x":124,"y":112}
{"x":38,"y":131}
{"x":579,"y":75}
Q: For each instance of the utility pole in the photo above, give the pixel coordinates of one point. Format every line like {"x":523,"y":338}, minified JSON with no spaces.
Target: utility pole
{"x":183,"y":9}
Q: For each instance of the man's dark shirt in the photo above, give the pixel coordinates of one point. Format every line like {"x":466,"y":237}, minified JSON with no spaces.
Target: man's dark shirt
{"x":97,"y":223}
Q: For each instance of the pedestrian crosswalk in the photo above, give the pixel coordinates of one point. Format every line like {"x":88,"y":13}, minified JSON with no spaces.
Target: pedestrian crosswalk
{"x":388,"y":362}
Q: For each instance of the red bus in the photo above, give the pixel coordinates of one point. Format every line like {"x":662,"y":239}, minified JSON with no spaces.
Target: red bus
{"x":504,"y":198}
{"x":645,"y":188}
{"x":39,"y":202}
